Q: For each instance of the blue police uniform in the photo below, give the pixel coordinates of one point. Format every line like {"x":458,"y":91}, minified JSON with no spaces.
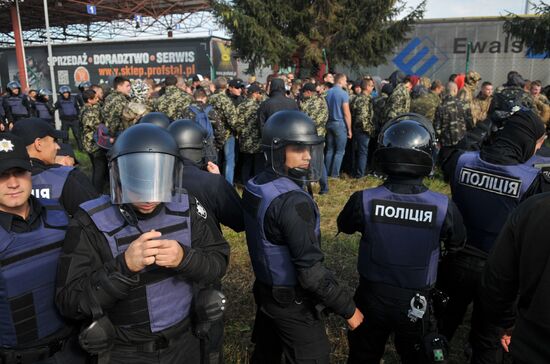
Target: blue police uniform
{"x":68,"y":113}
{"x":151,"y":310}
{"x":292,"y":285}
{"x":402,"y":224}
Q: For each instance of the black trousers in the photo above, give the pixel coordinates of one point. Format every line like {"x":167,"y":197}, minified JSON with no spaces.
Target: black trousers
{"x":74,"y":125}
{"x":294,"y":330}
{"x":383,"y":316}
{"x":100,"y":170}
{"x":183,"y":350}
{"x":252,"y":165}
{"x":460,"y":277}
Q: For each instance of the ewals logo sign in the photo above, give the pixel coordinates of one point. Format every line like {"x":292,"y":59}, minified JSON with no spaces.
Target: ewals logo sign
{"x":419,"y":56}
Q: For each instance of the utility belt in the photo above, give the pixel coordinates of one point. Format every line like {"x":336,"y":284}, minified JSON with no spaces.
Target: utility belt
{"x":398,"y":293}
{"x":169,"y":337}
{"x":282,"y":295}
{"x":32,"y":354}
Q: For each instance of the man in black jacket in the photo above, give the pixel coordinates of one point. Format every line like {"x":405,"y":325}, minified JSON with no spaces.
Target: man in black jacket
{"x":518,"y":272}
{"x":277,"y":101}
{"x":135,"y":259}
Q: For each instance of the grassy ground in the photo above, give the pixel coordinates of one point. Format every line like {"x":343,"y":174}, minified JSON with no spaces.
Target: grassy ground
{"x":341,"y":257}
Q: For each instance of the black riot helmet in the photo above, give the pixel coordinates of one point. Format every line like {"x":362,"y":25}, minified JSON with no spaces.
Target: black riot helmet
{"x":159,"y":119}
{"x":12,"y":86}
{"x":191,"y":139}
{"x":293,"y":131}
{"x":64,"y":89}
{"x":84,"y":86}
{"x":145,"y":165}
{"x":406,"y":147}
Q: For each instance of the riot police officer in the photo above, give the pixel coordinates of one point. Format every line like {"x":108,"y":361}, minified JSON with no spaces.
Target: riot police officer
{"x":219,"y":198}
{"x":61,"y":186}
{"x":137,"y":255}
{"x":402,"y":224}
{"x":487,"y":184}
{"x":43,"y":107}
{"x":31,"y":239}
{"x":16,"y":105}
{"x":282,"y":226}
{"x":212,"y":189}
{"x":68,"y":113}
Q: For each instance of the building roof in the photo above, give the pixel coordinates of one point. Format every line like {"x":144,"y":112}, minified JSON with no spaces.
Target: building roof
{"x":64,"y":13}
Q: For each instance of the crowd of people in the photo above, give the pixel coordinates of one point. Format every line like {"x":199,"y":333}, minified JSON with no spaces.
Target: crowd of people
{"x":127,"y":266}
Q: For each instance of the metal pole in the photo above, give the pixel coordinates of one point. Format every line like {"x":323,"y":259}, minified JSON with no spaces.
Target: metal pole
{"x":50,"y":61}
{"x":19,"y":47}
{"x":468,"y":50}
{"x":527,"y":6}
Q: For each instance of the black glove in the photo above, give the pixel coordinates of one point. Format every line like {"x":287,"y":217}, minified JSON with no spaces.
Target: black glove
{"x":98,"y":337}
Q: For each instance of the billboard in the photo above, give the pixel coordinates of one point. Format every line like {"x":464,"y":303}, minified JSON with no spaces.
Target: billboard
{"x":438,"y":48}
{"x":100,"y":62}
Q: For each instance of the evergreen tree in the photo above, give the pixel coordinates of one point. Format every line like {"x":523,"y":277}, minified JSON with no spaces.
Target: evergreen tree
{"x":349,"y":32}
{"x":534,"y":31}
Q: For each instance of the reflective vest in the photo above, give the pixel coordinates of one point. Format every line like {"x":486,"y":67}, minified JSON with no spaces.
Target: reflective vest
{"x":16,"y":106}
{"x":28,"y":267}
{"x":486,"y":193}
{"x":68,"y":108}
{"x":48,"y":185}
{"x":162,"y":299}
{"x":42,"y":111}
{"x":272,"y":263}
{"x":401,"y":243}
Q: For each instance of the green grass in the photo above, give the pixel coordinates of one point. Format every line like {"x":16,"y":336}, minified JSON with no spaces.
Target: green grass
{"x":341,"y":257}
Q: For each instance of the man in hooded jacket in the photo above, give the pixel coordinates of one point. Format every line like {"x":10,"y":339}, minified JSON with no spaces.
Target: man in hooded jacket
{"x":277,"y":101}
{"x":487,"y":184}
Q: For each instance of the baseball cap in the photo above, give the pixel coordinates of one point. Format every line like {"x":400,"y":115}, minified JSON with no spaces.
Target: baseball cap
{"x":254,"y":88}
{"x":236,"y":83}
{"x":13,"y":153}
{"x":32,"y":128}
{"x":197,"y":78}
{"x":309,"y":87}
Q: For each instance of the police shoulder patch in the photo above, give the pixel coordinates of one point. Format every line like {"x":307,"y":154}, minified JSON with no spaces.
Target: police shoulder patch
{"x":201,"y":211}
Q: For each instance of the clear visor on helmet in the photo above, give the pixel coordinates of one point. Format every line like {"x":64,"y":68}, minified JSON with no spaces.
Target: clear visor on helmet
{"x":303,"y":162}
{"x":143,"y":177}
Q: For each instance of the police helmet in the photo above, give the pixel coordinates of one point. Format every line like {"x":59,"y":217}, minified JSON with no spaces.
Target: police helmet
{"x":84,"y":86}
{"x":145,"y":165}
{"x":296,"y":129}
{"x":406,"y":147}
{"x":13,"y":85}
{"x":64,"y":89}
{"x":191,"y":139}
{"x":156,"y":118}
{"x":44,"y":92}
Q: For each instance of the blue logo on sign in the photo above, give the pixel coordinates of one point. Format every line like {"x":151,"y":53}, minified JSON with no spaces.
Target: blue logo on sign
{"x":91,"y":9}
{"x":529,"y":54}
{"x":419,"y":56}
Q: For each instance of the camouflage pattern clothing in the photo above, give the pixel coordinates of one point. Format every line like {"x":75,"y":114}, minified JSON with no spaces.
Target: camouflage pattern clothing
{"x":509,"y":96}
{"x":90,"y":118}
{"x":316,"y":108}
{"x":426,"y":105}
{"x":247,"y":127}
{"x":115,"y":103}
{"x":466,"y":93}
{"x":362,"y":114}
{"x":173,"y":102}
{"x":398,"y":103}
{"x":226,"y":111}
{"x":213,"y":117}
{"x":379,"y":105}
{"x":542,"y":107}
{"x":480,"y":107}
{"x":452,"y":118}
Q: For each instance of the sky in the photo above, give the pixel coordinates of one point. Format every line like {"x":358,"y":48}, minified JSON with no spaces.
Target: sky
{"x":468,"y":8}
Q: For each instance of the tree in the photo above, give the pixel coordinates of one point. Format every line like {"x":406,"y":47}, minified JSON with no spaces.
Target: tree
{"x":347,"y":32}
{"x":534,"y":31}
